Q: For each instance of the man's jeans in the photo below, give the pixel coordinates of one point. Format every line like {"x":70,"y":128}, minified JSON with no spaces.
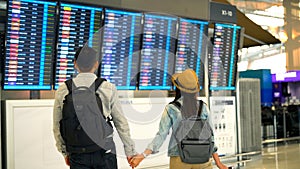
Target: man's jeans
{"x":94,"y":160}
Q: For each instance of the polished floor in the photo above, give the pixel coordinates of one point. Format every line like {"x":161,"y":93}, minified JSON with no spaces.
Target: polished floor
{"x":281,"y":156}
{"x":273,"y":156}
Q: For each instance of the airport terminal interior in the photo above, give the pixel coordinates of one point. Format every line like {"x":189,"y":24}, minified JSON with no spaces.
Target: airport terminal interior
{"x":246,"y":54}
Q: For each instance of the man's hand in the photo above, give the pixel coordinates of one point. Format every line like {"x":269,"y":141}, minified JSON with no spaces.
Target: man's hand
{"x":135,"y":161}
{"x":67,"y":160}
{"x":129,"y":158}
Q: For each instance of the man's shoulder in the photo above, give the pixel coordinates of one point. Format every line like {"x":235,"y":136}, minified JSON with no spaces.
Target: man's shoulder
{"x":61,"y":91}
{"x":107,"y":84}
{"x":62,"y":87}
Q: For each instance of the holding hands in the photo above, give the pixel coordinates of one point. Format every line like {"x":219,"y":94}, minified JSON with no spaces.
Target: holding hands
{"x":137,"y":159}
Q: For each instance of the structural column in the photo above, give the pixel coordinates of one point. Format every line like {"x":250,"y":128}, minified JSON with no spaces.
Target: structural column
{"x":292,"y":29}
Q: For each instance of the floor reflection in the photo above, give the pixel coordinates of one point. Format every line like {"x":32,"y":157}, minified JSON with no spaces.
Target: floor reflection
{"x":283,"y":156}
{"x":274,"y":156}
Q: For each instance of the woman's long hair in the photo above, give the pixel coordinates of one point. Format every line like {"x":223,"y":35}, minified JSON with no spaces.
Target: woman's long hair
{"x":177,"y":95}
{"x":189,"y":105}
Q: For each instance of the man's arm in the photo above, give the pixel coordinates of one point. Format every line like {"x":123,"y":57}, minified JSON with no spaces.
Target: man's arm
{"x":57,"y":116}
{"x":121,"y":124}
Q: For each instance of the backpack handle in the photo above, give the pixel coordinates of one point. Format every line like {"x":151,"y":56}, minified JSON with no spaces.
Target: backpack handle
{"x":97,"y":83}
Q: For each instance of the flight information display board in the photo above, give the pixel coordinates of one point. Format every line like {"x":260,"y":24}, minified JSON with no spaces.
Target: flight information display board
{"x":2,"y":48}
{"x":121,"y":48}
{"x":223,"y":61}
{"x":192,"y":47}
{"x":158,"y":52}
{"x":30,"y":39}
{"x":78,"y":25}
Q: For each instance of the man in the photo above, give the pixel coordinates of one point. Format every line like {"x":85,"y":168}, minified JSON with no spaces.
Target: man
{"x":86,"y":63}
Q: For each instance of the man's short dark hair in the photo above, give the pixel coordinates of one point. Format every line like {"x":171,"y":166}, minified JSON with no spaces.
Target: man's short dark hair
{"x":85,"y":58}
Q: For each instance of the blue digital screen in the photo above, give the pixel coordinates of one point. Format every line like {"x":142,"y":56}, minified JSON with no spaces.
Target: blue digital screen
{"x":192,"y":47}
{"x":158,"y":52}
{"x":2,"y":48}
{"x":222,"y":64}
{"x":78,"y":25}
{"x":30,"y":40}
{"x":121,"y":48}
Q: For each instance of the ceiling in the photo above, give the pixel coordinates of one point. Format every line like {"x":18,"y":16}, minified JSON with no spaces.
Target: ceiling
{"x":255,"y":4}
{"x":254,"y":34}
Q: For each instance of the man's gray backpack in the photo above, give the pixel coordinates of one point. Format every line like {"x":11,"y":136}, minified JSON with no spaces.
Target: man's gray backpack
{"x":83,"y":125}
{"x":194,"y":138}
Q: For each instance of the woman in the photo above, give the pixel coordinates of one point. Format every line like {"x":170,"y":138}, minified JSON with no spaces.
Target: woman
{"x":187,"y":89}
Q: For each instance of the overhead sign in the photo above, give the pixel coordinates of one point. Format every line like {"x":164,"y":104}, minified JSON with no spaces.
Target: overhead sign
{"x":220,"y":12}
{"x":292,"y":76}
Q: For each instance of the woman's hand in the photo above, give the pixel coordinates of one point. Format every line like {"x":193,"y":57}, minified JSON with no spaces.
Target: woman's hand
{"x":222,"y":166}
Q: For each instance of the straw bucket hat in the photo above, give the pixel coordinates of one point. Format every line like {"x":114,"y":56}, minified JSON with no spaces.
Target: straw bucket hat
{"x":187,"y":81}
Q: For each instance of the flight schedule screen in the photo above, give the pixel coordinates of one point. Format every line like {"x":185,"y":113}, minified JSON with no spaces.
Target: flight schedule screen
{"x":223,"y":61}
{"x":2,"y":47}
{"x":158,"y":52}
{"x":30,"y":39}
{"x":121,"y":48}
{"x":192,"y":47}
{"x":78,"y":26}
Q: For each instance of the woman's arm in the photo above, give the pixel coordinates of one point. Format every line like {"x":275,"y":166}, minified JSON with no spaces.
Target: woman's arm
{"x":164,"y":127}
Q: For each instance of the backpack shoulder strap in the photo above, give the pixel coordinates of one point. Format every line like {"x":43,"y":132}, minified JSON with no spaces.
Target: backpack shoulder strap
{"x":98,"y":82}
{"x":69,"y":83}
{"x":176,"y":104}
{"x":200,"y":108}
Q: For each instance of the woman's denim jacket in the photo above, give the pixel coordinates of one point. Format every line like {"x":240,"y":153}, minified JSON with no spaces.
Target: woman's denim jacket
{"x":170,"y":119}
